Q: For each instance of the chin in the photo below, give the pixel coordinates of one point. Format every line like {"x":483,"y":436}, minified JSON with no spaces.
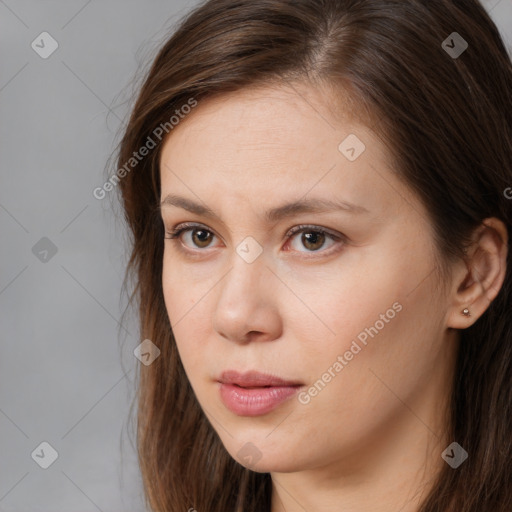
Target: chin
{"x":274,"y":464}
{"x":264,"y":457}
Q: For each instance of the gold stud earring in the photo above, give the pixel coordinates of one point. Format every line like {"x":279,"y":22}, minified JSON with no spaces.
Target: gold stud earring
{"x":466,"y":312}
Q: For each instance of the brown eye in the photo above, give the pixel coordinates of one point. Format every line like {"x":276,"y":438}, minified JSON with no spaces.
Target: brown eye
{"x":313,"y":240}
{"x":201,"y":237}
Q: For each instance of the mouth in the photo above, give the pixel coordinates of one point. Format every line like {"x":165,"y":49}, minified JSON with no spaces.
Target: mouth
{"x":255,"y":393}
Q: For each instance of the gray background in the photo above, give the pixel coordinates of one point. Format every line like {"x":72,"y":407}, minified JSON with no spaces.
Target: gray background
{"x":66,"y":376}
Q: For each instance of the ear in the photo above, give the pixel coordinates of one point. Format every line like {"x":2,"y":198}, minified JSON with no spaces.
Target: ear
{"x":478,"y":279}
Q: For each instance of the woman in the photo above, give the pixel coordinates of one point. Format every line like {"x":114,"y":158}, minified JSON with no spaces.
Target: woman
{"x":320,"y":203}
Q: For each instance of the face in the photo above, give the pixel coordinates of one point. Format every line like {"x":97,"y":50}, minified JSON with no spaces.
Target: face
{"x":336,"y":297}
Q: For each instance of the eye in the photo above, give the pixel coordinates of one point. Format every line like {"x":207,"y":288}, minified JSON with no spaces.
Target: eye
{"x":201,"y":236}
{"x":313,"y":238}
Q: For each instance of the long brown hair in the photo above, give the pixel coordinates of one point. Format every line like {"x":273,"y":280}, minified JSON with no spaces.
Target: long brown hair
{"x":447,"y":122}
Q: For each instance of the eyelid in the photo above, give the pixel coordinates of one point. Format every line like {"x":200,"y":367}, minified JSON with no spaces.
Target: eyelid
{"x":313,"y":227}
{"x":182,"y":226}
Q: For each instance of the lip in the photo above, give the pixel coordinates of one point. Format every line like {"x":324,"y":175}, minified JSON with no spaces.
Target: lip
{"x":254,"y":378}
{"x":254,"y":393}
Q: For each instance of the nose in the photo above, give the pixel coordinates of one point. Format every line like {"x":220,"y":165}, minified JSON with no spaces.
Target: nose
{"x":247,"y":308}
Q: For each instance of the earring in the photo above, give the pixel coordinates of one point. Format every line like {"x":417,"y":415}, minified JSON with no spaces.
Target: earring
{"x":466,"y":312}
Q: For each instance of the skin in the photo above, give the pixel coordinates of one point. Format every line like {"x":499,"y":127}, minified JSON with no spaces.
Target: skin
{"x":372,"y":438}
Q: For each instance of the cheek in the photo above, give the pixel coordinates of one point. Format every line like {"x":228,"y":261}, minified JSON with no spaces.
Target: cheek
{"x":185,"y":287}
{"x":376,"y":323}
{"x":378,"y":362}
{"x":352,"y":310}
{"x":186,"y":314}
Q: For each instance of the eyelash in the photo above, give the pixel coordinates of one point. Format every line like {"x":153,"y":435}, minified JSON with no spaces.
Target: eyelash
{"x":187,"y":226}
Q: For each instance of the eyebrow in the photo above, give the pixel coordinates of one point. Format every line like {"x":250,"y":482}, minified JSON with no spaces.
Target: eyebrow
{"x":312,"y":205}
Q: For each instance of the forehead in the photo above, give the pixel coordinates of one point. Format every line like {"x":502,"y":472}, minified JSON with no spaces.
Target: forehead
{"x":278,"y":142}
{"x":266,"y":118}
